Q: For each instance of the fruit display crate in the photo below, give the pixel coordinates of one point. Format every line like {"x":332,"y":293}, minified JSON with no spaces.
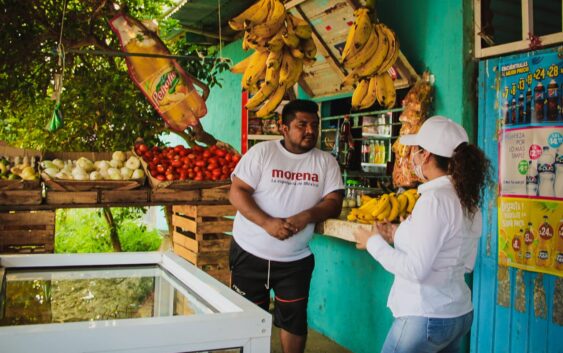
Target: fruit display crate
{"x":10,"y":185}
{"x":27,"y":232}
{"x":199,"y":237}
{"x":56,"y":184}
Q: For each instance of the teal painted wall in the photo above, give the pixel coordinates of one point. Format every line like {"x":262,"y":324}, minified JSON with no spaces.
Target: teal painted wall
{"x":349,"y":289}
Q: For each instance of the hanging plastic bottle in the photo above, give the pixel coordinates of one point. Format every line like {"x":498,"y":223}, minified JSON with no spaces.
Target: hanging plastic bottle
{"x":559,"y":173}
{"x":532,"y":179}
{"x":545,"y":253}
{"x":546,"y":172}
{"x":559,"y":257}
{"x":517,"y":246}
{"x":529,"y":245}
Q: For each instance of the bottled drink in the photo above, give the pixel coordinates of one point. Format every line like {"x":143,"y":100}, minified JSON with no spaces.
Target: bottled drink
{"x":383,"y":153}
{"x":546,"y":172}
{"x":559,"y":173}
{"x":506,"y":112}
{"x":528,"y":104}
{"x":517,"y":246}
{"x":544,"y":254}
{"x":552,"y":101}
{"x":521,"y":109}
{"x":532,"y":179}
{"x":559,"y":258}
{"x":166,"y":85}
{"x":539,"y":97}
{"x":528,"y":245}
{"x":344,"y":142}
{"x":372,"y":152}
{"x":513,"y":112}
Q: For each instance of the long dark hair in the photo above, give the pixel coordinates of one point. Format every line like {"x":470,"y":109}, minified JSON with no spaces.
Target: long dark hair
{"x":470,"y":173}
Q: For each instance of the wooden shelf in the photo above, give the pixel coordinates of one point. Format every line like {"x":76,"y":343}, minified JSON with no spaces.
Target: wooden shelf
{"x":265,"y":137}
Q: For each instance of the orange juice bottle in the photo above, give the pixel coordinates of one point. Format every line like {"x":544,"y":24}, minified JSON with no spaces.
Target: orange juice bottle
{"x":559,"y":256}
{"x":528,"y":245}
{"x":517,"y":246}
{"x":165,"y":84}
{"x":545,"y":253}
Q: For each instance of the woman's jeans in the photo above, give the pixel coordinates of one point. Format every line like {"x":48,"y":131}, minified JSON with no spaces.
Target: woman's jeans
{"x":416,"y":334}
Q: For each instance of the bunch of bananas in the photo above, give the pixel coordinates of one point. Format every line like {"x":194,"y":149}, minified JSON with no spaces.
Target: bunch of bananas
{"x":369,"y":52}
{"x":387,"y":207}
{"x":282,"y":44}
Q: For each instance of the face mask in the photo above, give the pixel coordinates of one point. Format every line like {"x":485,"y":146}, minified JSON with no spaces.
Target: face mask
{"x":418,"y":170}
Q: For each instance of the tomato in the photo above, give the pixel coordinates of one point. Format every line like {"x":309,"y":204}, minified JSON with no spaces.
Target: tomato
{"x":197,"y":169}
{"x":183,"y":175}
{"x":222,"y":161}
{"x":142,"y":147}
{"x":160,"y":168}
{"x":236,"y":158}
{"x":200,"y":163}
{"x":206,"y":154}
{"x":225,"y":169}
{"x":228,"y":157}
{"x":207,"y":174}
{"x":211,"y":166}
{"x":219,"y":152}
{"x":170,"y":176}
{"x":176,"y":163}
{"x":183,"y":153}
{"x":216,"y":171}
{"x":147,"y":156}
{"x":198,"y":176}
{"x":197,"y":148}
{"x":161,"y":177}
{"x":213,"y":160}
{"x":191,"y":175}
{"x":191,"y":156}
{"x":179,"y":148}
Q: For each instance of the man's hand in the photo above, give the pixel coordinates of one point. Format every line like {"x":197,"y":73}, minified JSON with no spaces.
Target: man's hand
{"x":279,"y":228}
{"x":299,"y":221}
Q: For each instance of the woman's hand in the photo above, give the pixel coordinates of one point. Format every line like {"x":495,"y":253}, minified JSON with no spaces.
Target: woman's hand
{"x":362,"y":235}
{"x":387,"y":230}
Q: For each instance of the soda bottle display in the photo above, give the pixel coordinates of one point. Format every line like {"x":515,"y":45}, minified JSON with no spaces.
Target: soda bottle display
{"x":513,"y":111}
{"x":559,"y":173}
{"x":517,"y":246}
{"x":539,"y":97}
{"x":544,"y":253}
{"x":506,"y":112}
{"x":532,"y":179}
{"x":528,"y":104}
{"x":552,"y":101}
{"x":546,"y":173}
{"x":528,"y":250}
{"x":521,"y":109}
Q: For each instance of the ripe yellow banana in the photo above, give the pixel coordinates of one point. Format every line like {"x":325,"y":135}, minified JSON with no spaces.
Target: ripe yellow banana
{"x":359,"y":94}
{"x":381,"y":205}
{"x":274,"y":59}
{"x":309,"y":48}
{"x":290,"y":39}
{"x":363,"y":28}
{"x":268,"y":87}
{"x":369,"y":206}
{"x":385,"y":88}
{"x":384,"y":215}
{"x":392,"y":52}
{"x":301,"y":27}
{"x":349,"y":43}
{"x":364,"y":217}
{"x":394,"y":208}
{"x":363,"y":55}
{"x":403,"y":201}
{"x":241,"y":66}
{"x":349,"y":80}
{"x":411,"y":201}
{"x":370,"y":97}
{"x":291,"y":70}
{"x":255,"y":14}
{"x":272,"y":102}
{"x":273,"y":23}
{"x":276,"y":43}
{"x":374,"y":62}
{"x":297,"y":53}
{"x":256,"y":68}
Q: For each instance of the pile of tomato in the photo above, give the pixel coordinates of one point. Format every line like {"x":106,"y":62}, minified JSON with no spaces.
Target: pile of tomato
{"x":181,"y":163}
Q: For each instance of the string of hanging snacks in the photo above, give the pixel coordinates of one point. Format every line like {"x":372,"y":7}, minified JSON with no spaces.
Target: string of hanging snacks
{"x":56,"y":121}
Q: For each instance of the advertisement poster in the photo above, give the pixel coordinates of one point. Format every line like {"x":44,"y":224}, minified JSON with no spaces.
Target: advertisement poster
{"x":531,"y":163}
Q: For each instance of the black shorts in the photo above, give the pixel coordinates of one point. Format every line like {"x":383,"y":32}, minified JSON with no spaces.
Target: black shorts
{"x":289,"y":280}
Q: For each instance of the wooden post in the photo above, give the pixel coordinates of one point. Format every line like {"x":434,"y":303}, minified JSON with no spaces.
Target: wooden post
{"x":112,"y":230}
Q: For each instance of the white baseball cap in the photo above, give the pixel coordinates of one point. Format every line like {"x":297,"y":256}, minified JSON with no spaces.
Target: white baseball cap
{"x":438,"y":135}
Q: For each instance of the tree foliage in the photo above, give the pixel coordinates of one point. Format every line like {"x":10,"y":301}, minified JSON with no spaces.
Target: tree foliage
{"x":102,"y":109}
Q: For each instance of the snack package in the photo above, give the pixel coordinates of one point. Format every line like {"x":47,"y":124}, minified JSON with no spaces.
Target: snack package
{"x":169,"y":89}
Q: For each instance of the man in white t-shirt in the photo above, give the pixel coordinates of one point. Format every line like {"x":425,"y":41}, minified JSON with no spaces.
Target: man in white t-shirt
{"x":281,"y":189}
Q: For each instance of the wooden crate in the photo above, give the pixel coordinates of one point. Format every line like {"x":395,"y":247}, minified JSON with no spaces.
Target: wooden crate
{"x":20,"y":197}
{"x":170,"y":195}
{"x":212,"y":243}
{"x":202,"y":219}
{"x":27,"y":232}
{"x":215,"y":264}
{"x":71,"y":198}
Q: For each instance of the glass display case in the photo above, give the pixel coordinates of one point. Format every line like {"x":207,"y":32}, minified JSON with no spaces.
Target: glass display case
{"x":122,"y":302}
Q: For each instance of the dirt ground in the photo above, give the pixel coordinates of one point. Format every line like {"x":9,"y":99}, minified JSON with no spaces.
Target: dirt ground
{"x":316,"y":343}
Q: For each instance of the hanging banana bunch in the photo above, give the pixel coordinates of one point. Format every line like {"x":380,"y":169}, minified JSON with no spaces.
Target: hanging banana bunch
{"x":282,"y":44}
{"x":369,"y":52}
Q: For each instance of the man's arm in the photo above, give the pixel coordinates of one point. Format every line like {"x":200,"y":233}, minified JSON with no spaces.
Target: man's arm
{"x":241,"y":198}
{"x":329,"y":207}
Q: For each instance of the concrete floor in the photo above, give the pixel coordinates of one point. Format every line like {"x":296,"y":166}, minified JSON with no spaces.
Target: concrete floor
{"x":316,"y":343}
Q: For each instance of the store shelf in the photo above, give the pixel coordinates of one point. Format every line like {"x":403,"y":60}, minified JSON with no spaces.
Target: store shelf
{"x":383,"y":165}
{"x":377,"y":112}
{"x":265,"y":137}
{"x":369,"y":135}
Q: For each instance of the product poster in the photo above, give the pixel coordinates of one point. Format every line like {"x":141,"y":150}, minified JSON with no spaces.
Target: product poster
{"x":531,"y":163}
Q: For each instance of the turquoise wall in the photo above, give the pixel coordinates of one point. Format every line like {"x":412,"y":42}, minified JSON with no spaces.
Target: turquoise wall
{"x":349,"y":289}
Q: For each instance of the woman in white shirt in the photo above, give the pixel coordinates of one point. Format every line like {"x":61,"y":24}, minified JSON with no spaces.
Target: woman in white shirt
{"x":436,"y":245}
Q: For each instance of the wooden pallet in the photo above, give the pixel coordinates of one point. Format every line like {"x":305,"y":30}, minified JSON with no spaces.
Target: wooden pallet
{"x":27,"y":232}
{"x":20,"y":197}
{"x":202,"y":219}
{"x":212,"y":242}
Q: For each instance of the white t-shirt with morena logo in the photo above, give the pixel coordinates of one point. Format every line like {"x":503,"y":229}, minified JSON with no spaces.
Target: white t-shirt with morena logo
{"x":284,"y":184}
